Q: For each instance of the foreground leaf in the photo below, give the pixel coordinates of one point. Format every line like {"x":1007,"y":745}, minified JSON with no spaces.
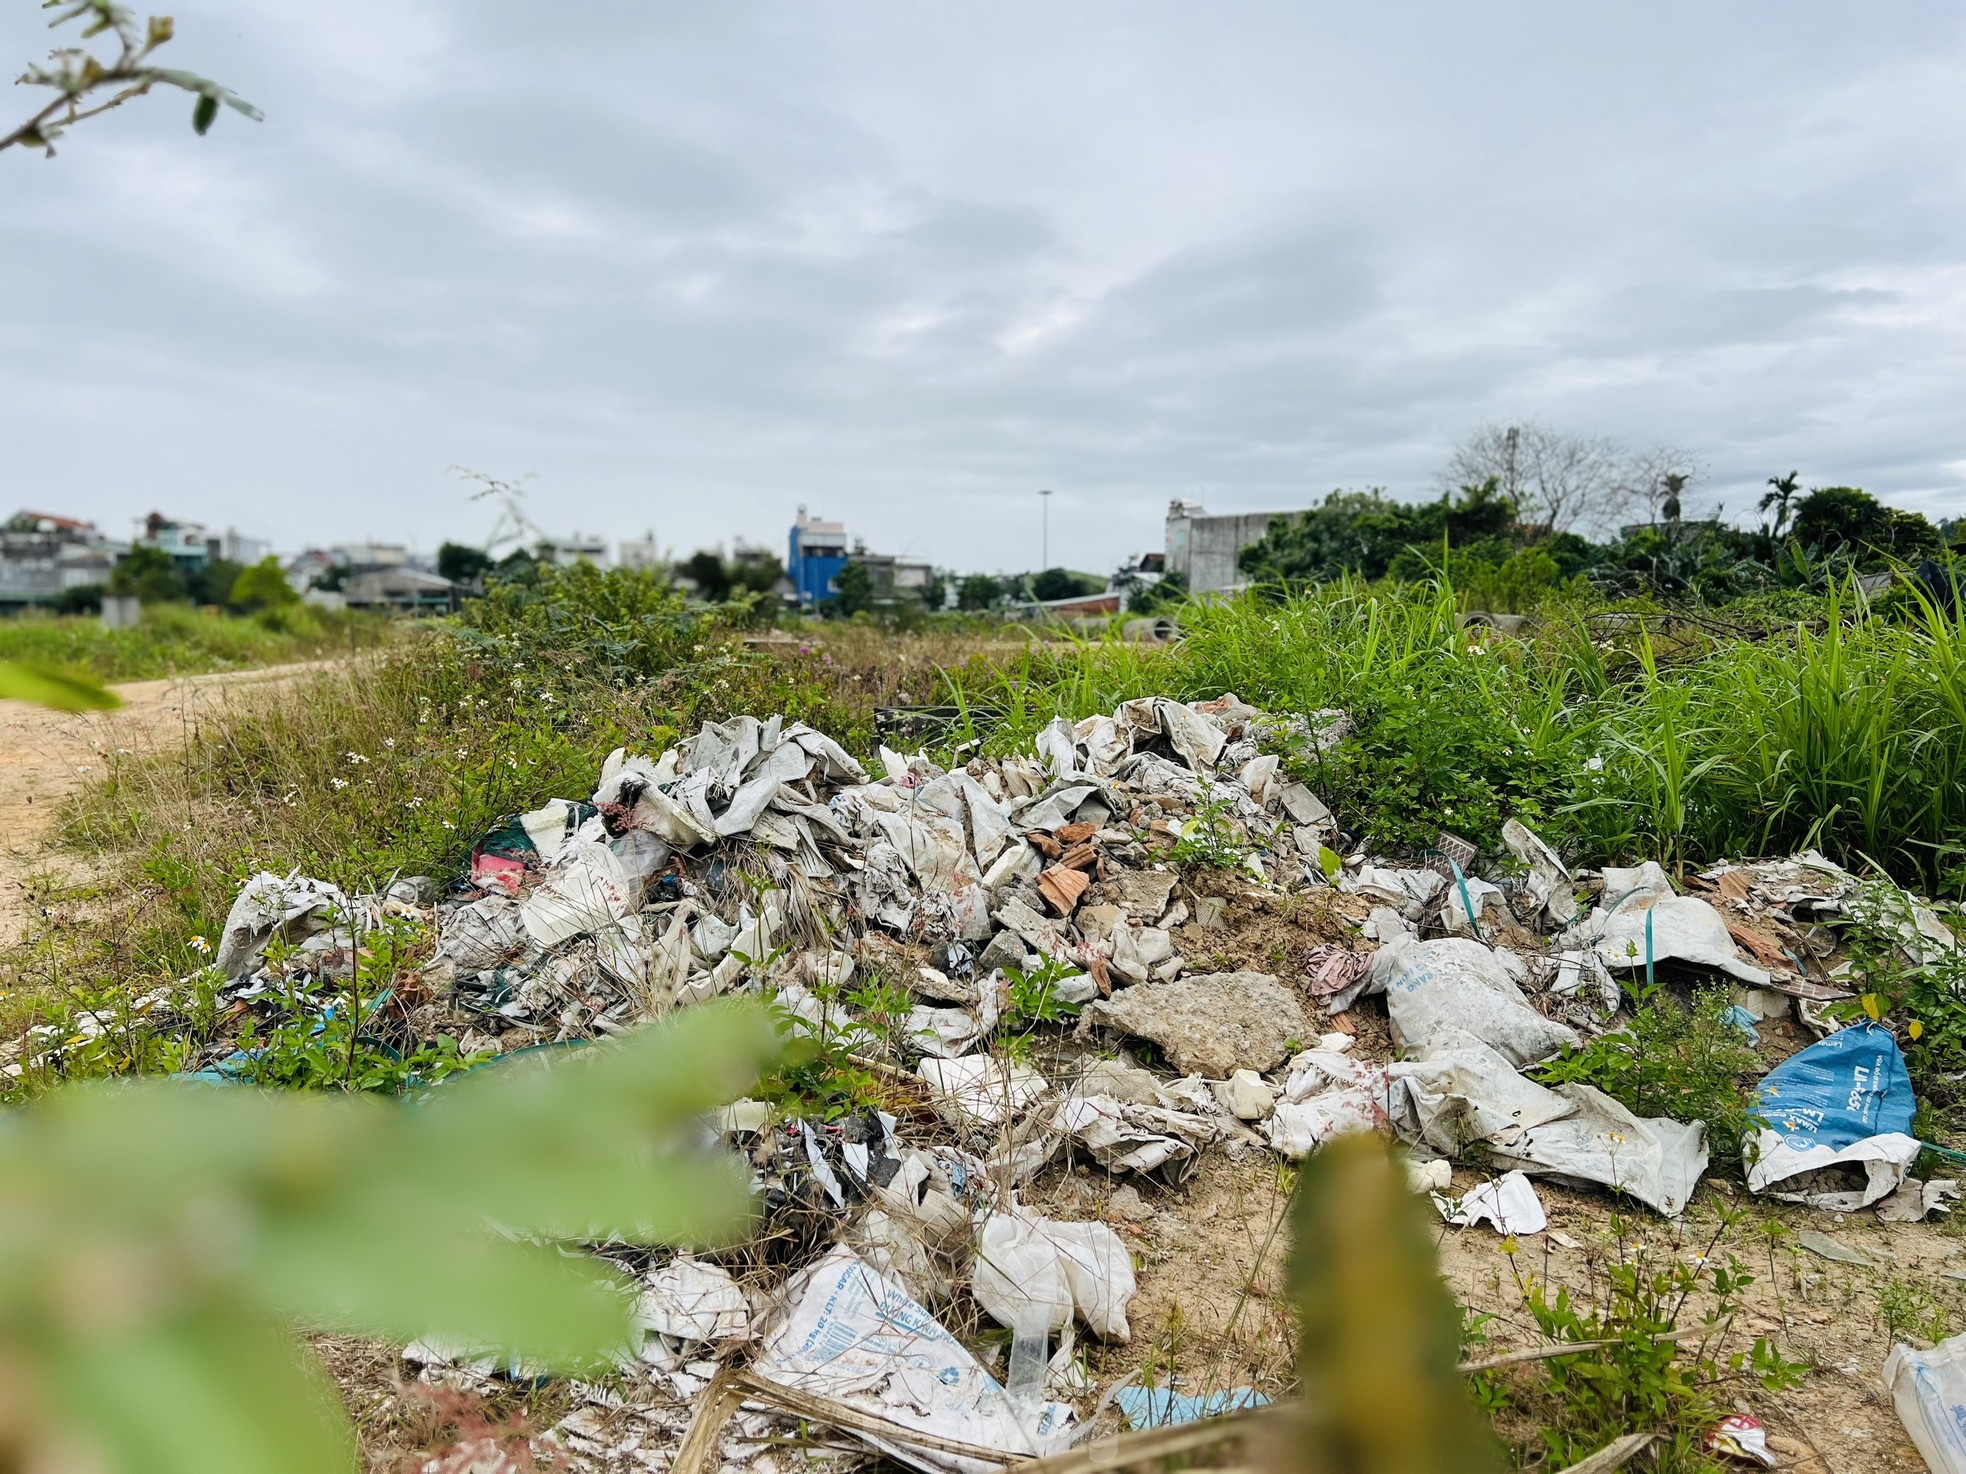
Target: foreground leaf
{"x":44,"y":686}
{"x":1380,"y":1334}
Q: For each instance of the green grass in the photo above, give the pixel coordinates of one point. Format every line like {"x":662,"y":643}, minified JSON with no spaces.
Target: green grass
{"x":1623,"y":734}
{"x":175,"y":639}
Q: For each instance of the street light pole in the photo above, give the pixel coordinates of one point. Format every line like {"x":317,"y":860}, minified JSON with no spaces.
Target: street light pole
{"x":1044,"y":557}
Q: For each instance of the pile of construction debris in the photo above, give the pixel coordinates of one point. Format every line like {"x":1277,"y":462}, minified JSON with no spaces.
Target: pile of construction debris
{"x":761,"y":857}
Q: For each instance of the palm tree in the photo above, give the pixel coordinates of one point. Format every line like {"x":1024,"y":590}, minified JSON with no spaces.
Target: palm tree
{"x":1784,"y":491}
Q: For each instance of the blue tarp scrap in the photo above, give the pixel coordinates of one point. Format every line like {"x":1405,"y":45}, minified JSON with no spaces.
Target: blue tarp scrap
{"x":1158,"y":1407}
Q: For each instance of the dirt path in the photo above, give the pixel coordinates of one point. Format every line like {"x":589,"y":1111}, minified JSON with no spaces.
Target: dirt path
{"x":47,"y":755}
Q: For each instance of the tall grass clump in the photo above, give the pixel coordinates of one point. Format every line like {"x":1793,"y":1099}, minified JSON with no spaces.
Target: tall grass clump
{"x":1849,"y":737}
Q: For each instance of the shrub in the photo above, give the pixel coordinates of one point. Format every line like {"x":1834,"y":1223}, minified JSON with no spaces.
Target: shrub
{"x":1685,"y":1060}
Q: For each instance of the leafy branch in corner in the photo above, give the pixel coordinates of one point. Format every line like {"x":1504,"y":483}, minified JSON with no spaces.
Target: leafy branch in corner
{"x":87,"y":84}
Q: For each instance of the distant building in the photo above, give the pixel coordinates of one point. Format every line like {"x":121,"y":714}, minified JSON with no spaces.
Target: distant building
{"x":407,"y":589}
{"x":817,"y":554}
{"x":237,"y":548}
{"x":185,"y":542}
{"x":191,"y":546}
{"x":43,"y":555}
{"x":580,"y":548}
{"x":1205,"y":549}
{"x":891,"y":579}
{"x":369,"y":557}
{"x":639,"y":553}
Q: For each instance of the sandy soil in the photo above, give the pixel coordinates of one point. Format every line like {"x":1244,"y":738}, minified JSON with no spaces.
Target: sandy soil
{"x":47,"y":755}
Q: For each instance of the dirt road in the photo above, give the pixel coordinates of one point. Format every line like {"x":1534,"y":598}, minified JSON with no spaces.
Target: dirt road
{"x":47,"y":755}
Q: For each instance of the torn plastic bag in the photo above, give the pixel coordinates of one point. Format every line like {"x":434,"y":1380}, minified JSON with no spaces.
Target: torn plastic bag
{"x":549,"y":825}
{"x":1473,"y":906}
{"x":978,"y":1087}
{"x":483,"y":934}
{"x":1327,"y":1094}
{"x":590,"y":889}
{"x":1159,"y":1407}
{"x":1412,"y":893}
{"x":950,"y":1032}
{"x":1460,"y":1092}
{"x":1508,"y":1203}
{"x":1039,"y":1270}
{"x":1645,"y":920}
{"x":1841,"y":1108}
{"x":1193,"y":737}
{"x":1457,"y":984}
{"x":848,"y":1333}
{"x":293,"y":906}
{"x":1547,"y":884}
{"x":932,"y":845}
{"x":629,"y":797}
{"x":1149,"y":1140}
{"x":1928,"y":1388}
{"x":503,"y":855}
{"x":693,"y":1300}
{"x":1656,"y":1160}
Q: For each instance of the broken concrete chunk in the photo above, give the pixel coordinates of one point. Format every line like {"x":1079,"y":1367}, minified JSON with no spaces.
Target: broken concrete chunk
{"x":1245,"y":1096}
{"x":1018,"y":863}
{"x":1303,"y":806}
{"x":1144,"y":893}
{"x":1097,"y":923}
{"x":1006,"y":949}
{"x":1124,"y":1083}
{"x":930,"y":982}
{"x":1210,"y":1025}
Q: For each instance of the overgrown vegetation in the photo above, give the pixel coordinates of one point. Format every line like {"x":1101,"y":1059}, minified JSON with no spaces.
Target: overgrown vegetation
{"x":177,"y":640}
{"x":1665,"y":1353}
{"x":1685,"y":1059}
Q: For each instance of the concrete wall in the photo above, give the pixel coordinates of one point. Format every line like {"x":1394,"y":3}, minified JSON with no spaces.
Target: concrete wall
{"x":1205,"y":548}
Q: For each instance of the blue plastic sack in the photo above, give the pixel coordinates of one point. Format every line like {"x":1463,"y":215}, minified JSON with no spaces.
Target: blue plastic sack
{"x":1845,"y":1100}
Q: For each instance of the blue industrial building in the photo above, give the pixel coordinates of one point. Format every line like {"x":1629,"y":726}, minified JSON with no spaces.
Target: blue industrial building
{"x":818,"y":553}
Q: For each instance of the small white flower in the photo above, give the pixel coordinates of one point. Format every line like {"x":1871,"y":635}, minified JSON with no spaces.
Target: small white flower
{"x":416,"y":803}
{"x":464,"y":752}
{"x":200,"y":945}
{"x":389,"y":742}
{"x":338,"y":783}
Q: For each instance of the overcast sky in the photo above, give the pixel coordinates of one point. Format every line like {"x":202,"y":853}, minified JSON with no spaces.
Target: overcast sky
{"x":691,"y":265}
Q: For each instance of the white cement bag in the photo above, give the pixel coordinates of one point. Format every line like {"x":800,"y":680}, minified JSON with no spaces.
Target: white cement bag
{"x":1929,"y":1390}
{"x":1461,"y":986}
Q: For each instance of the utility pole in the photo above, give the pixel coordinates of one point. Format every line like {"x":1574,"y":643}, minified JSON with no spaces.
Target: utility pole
{"x":1044,"y":556}
{"x":1513,"y":439}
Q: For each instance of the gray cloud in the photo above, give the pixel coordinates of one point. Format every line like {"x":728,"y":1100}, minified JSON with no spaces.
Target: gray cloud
{"x":694,"y":265}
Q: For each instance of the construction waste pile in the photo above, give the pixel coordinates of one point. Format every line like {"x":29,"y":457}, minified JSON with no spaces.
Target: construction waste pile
{"x":905,"y":921}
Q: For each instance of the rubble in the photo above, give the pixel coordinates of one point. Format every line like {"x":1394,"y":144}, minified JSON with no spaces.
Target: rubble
{"x":1209,"y":1025}
{"x":903,"y":921}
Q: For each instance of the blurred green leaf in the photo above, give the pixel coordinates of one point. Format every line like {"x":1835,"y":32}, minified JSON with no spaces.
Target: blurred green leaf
{"x":204,"y":114}
{"x":44,"y":686}
{"x":216,"y":1390}
{"x":1380,"y":1334}
{"x":153,"y":1229}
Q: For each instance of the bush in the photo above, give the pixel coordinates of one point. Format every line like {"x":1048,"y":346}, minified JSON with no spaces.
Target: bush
{"x":1679,"y":1059}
